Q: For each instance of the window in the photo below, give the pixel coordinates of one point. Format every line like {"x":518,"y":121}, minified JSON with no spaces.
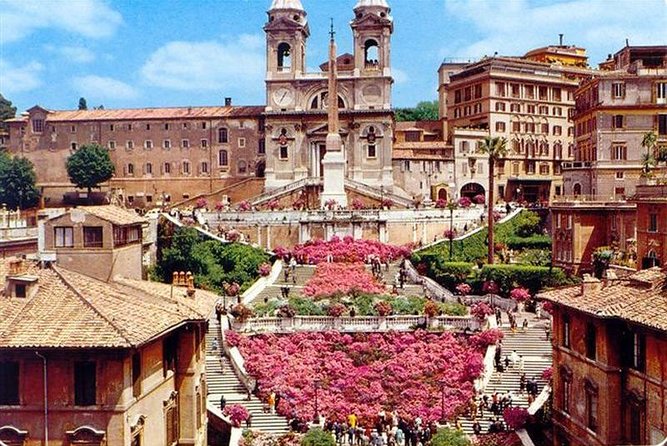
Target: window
{"x":112,"y":145}
{"x":241,"y":142}
{"x":204,"y":167}
{"x":92,"y":237}
{"x":166,"y":144}
{"x":516,"y":126}
{"x":171,"y":422}
{"x":500,"y":88}
{"x":169,"y":354}
{"x":129,"y":145}
{"x":591,"y":407}
{"x":467,"y":93}
{"x":261,"y":148}
{"x":64,"y":236}
{"x":166,"y":168}
{"x":500,"y":126}
{"x":638,"y":351}
{"x":185,"y":143}
{"x":591,"y":341}
{"x":457,"y":96}
{"x":223,"y":136}
{"x":74,"y":146}
{"x":545,"y":129}
{"x":618,"y":89}
{"x":130,"y":169}
{"x":619,"y":152}
{"x":204,"y":143}
{"x":544,"y":169}
{"x":558,"y":130}
{"x":530,"y":108}
{"x":653,"y":223}
{"x":371,"y":152}
{"x":203,"y":125}
{"x":136,"y":375}
{"x":283,"y":153}
{"x":566,"y":386}
{"x":566,"y":323}
{"x":500,"y":106}
{"x":515,"y":108}
{"x":662,"y":124}
{"x":529,"y":91}
{"x":284,"y":58}
{"x":620,"y":175}
{"x":111,"y":127}
{"x":37,"y":125}
{"x":516,"y":89}
{"x":478,"y":91}
{"x":186,"y":167}
{"x":543,"y":93}
{"x":148,"y":144}
{"x":186,"y":126}
{"x":557,"y":111}
{"x":223,"y":159}
{"x":464,"y":146}
{"x":617,"y":121}
{"x":556,"y":94}
{"x":166,"y":126}
{"x":124,"y":235}
{"x":128,"y":127}
{"x":243,"y":167}
{"x":543,"y":110}
{"x":85,"y":384}
{"x":148,"y":169}
{"x":9,"y":383}
{"x":72,"y":129}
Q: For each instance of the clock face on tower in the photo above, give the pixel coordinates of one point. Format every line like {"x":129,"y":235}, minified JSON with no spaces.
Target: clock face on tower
{"x":283,"y":97}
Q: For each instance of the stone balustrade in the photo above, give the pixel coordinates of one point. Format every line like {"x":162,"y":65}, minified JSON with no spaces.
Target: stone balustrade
{"x":354,"y":324}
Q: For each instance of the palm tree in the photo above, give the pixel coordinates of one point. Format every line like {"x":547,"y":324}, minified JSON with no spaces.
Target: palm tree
{"x":496,"y":148}
{"x":649,"y":141}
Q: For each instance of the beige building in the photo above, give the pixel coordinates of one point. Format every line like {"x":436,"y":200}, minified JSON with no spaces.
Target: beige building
{"x":100,"y":363}
{"x":528,"y":101}
{"x":614,"y":110}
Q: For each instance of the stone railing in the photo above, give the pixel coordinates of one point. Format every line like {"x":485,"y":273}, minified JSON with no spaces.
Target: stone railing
{"x":489,"y":359}
{"x":355,"y":324}
{"x":432,"y":289}
{"x":235,"y":358}
{"x":493,"y":300}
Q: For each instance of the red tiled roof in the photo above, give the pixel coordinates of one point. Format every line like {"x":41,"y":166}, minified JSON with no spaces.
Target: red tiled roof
{"x":130,"y":114}
{"x":114,"y":214}
{"x":639,"y":298}
{"x":71,"y":310}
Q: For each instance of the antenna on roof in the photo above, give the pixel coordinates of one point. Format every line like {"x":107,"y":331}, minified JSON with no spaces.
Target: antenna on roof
{"x":332,"y":33}
{"x":560,"y":39}
{"x":627,"y":42}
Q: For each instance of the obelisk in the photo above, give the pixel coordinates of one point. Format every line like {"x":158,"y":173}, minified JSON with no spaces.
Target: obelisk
{"x":333,"y":162}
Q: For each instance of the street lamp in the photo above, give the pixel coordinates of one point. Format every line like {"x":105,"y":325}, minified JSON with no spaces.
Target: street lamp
{"x":316,"y":383}
{"x":451,"y":206}
{"x":442,"y":408}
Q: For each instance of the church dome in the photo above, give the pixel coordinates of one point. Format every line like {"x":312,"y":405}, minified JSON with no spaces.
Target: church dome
{"x":287,"y":4}
{"x":376,"y":3}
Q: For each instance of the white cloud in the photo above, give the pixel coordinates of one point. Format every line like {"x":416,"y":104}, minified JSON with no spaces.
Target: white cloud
{"x":89,"y":18}
{"x":15,"y":79}
{"x":514,"y":27}
{"x":207,"y":65}
{"x":77,"y":54}
{"x":98,"y":88}
{"x":400,"y":76}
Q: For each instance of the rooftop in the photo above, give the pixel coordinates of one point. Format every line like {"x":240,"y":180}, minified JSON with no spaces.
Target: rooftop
{"x":70,"y":310}
{"x":640,"y":298}
{"x":149,"y":113}
{"x":113,"y":214}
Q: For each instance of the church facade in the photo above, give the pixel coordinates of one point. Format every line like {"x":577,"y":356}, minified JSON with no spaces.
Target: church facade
{"x":165,"y":155}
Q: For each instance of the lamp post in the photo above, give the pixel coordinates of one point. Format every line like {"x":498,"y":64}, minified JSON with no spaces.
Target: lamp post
{"x":316,"y":383}
{"x":451,"y":206}
{"x":442,"y":408}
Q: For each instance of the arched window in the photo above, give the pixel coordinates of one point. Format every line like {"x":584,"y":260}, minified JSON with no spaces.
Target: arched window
{"x":284,"y":57}
{"x":223,"y":158}
{"x":319,"y":101}
{"x":149,"y":168}
{"x":130,"y":169}
{"x":371,"y":53}
{"x":243,"y":167}
{"x":576,"y":190}
{"x":223,"y":135}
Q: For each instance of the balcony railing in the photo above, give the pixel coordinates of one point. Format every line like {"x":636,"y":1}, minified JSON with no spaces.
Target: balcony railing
{"x":589,"y":199}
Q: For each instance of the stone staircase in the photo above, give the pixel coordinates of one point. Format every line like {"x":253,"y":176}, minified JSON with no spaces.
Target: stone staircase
{"x":222,"y":380}
{"x":536,"y":352}
{"x":272,"y":291}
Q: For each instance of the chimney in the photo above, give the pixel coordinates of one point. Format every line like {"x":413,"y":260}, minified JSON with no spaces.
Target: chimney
{"x":590,"y":284}
{"x":560,"y":39}
{"x":228,"y":102}
{"x":16,"y":267}
{"x":191,"y":284}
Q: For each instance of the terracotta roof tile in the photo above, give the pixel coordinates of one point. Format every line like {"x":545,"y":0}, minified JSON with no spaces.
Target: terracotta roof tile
{"x":71,"y":310}
{"x":639,"y":298}
{"x":151,"y":113}
{"x":114,"y":214}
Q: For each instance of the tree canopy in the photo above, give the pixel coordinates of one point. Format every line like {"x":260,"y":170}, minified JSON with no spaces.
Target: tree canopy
{"x":17,"y":182}
{"x":7,"y":111}
{"x":83,"y":105}
{"x":89,"y":166}
{"x":424,"y":111}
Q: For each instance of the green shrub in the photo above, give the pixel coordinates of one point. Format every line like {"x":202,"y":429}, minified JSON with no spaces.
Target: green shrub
{"x":267,"y":309}
{"x":527,"y":223}
{"x":317,"y":437}
{"x":453,"y":309}
{"x":306,"y":307}
{"x":536,"y":257}
{"x":532,"y":242}
{"x":450,"y":437}
{"x":534,"y":278}
{"x":407,"y":305}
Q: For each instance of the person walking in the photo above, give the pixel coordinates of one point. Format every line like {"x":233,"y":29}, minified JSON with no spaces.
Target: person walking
{"x":522,"y":383}
{"x":515,"y":359}
{"x":223,"y":402}
{"x":522,"y":364}
{"x":272,"y":402}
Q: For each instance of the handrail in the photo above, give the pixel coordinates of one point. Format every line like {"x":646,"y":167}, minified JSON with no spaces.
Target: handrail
{"x":235,"y":358}
{"x":273,"y":193}
{"x":432,"y":289}
{"x":352,"y":184}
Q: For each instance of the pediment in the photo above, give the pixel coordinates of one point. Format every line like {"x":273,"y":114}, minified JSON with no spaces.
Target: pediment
{"x":323,"y":130}
{"x":370,"y":20}
{"x":284,"y":23}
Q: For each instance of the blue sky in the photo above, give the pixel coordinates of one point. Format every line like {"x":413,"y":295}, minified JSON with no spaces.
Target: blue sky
{"x":135,"y":53}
